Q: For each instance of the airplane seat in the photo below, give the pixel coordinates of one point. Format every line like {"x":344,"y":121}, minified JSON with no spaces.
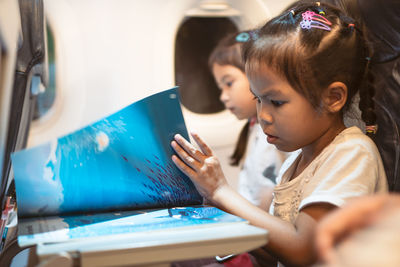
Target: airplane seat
{"x":29,"y":66}
{"x":383,"y":22}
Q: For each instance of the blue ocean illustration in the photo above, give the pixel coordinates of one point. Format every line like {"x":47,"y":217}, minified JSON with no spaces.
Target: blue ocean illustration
{"x":121,"y":162}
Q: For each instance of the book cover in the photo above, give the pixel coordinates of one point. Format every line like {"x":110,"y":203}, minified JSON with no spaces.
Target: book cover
{"x":112,"y":177}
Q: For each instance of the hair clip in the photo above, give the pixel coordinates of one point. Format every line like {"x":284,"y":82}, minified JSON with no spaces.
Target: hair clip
{"x":292,"y":11}
{"x":242,"y":37}
{"x":245,"y":36}
{"x":314,"y":20}
{"x":351,"y":25}
{"x":371,"y":129}
{"x":322,"y":13}
{"x":318,"y":3}
{"x":310,"y":15}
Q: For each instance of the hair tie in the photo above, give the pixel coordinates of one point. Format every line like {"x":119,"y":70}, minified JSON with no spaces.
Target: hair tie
{"x":368,"y":59}
{"x":291,"y":15}
{"x":371,"y":129}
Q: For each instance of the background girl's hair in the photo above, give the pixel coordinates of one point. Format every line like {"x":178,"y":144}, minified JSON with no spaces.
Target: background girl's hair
{"x":241,"y":145}
{"x":312,"y":59}
{"x":228,"y":52}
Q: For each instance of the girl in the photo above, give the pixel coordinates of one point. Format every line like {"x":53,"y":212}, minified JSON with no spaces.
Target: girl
{"x":262,"y":160}
{"x":304,"y":68}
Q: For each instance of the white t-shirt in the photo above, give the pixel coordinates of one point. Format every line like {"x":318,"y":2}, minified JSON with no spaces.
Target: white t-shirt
{"x":348,"y":167}
{"x":261,"y":166}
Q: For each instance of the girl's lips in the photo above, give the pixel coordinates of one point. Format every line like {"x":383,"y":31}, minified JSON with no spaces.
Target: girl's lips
{"x":271,"y":139}
{"x":232,"y":110}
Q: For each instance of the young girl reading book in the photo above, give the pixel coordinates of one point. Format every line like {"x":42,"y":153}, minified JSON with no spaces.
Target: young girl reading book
{"x":304,"y":68}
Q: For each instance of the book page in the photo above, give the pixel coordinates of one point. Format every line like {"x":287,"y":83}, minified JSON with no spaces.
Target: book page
{"x":121,"y":162}
{"x":55,"y":229}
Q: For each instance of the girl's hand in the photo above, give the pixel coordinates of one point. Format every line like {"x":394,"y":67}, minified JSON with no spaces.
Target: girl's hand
{"x":355,"y":216}
{"x":202,"y":167}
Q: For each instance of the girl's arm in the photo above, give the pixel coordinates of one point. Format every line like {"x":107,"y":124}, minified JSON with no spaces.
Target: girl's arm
{"x":291,"y":244}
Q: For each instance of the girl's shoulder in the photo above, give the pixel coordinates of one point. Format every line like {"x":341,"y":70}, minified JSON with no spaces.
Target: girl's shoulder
{"x":348,"y":147}
{"x":353,"y":138}
{"x":351,"y":150}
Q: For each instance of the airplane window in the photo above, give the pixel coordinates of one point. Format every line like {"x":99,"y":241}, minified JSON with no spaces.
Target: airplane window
{"x":45,"y":99}
{"x":195,"y":40}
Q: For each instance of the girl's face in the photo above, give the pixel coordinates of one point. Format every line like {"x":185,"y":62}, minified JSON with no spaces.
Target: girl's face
{"x":235,"y":91}
{"x":286,"y":117}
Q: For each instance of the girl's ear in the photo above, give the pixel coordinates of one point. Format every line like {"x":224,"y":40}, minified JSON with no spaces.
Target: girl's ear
{"x":334,"y":96}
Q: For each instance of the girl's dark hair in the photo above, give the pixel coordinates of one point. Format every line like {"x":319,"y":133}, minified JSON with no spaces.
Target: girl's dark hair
{"x":241,"y":145}
{"x":228,"y":52}
{"x":312,"y":59}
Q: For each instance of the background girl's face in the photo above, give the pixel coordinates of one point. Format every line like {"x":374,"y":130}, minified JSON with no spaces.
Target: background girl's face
{"x":235,"y":91}
{"x":286,"y":117}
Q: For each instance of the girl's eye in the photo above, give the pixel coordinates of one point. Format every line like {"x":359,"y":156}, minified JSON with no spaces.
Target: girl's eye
{"x":277,"y":103}
{"x":229,"y":84}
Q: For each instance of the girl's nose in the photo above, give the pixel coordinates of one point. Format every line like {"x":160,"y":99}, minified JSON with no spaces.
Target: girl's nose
{"x":224,"y":97}
{"x":264,"y":117}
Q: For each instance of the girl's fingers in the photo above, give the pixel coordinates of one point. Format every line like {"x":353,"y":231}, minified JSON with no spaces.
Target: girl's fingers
{"x":183,"y":167}
{"x":183,"y":155}
{"x":189,"y":148}
{"x":203,"y":146}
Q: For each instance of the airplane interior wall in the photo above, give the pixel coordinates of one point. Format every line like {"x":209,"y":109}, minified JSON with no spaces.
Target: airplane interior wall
{"x":108,"y":54}
{"x":10,"y":29}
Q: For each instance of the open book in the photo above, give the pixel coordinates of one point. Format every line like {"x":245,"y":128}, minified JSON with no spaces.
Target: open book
{"x":113,"y":177}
